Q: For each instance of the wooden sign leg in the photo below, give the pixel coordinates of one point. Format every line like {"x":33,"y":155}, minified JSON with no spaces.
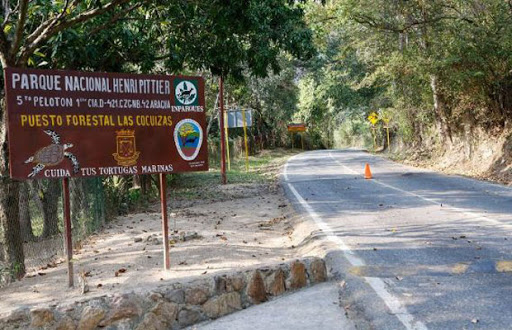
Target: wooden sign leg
{"x":67,"y":231}
{"x":245,"y":142}
{"x":165,"y":223}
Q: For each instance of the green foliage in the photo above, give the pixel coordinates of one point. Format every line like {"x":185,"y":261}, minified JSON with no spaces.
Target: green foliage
{"x":264,"y":168}
{"x":122,"y":195}
{"x":273,"y":100}
{"x":428,"y":63}
{"x":227,"y":38}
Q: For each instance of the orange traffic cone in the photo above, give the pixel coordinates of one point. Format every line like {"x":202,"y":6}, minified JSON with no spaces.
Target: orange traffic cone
{"x":367,"y":172}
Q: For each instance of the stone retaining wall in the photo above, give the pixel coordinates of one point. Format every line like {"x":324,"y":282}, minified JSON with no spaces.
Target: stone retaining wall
{"x":175,"y":305}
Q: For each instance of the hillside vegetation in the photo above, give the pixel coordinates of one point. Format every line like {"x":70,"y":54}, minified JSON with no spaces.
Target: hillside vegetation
{"x":439,"y":71}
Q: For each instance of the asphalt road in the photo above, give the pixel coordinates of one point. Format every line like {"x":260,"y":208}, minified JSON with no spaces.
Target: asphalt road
{"x":416,"y":249}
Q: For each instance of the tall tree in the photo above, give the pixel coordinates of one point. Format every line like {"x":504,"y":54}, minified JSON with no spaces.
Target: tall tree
{"x":26,"y":26}
{"x":25,"y":217}
{"x":128,"y":35}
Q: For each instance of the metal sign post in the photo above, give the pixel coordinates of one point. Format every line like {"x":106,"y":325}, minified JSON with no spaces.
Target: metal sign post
{"x":226,"y":127}
{"x":386,"y":119}
{"x":245,"y":140}
{"x":165,"y":223}
{"x":297,"y":128}
{"x":222,"y":133}
{"x":68,"y":241}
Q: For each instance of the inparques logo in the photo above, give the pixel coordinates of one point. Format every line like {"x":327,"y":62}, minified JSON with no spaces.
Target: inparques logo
{"x":185,"y":92}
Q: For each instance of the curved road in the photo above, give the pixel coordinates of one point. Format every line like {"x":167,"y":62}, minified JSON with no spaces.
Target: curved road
{"x":415,"y":249}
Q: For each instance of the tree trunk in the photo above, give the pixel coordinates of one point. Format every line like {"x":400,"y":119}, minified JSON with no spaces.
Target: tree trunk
{"x":9,"y":207}
{"x":50,"y":200}
{"x":440,"y":111}
{"x":145,"y":181}
{"x":419,"y":133}
{"x":9,"y":217}
{"x":25,"y":219}
{"x":78,"y":202}
{"x":213,"y":116}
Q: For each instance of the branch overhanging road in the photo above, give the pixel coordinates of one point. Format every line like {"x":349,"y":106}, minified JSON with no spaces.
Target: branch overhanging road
{"x":417,"y":249}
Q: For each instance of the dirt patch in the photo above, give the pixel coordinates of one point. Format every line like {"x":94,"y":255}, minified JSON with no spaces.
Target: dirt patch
{"x":483,"y":156}
{"x":243,"y":224}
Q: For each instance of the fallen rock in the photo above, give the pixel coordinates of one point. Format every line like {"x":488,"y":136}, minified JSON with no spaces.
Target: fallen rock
{"x":137,"y":239}
{"x":222,"y":305}
{"x":190,"y":236}
{"x":183,"y":237}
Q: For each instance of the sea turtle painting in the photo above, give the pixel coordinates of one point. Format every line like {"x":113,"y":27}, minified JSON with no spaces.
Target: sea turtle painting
{"x":52,"y":155}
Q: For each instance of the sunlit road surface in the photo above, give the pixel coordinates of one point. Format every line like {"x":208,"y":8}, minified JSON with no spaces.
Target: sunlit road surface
{"x":416,"y":249}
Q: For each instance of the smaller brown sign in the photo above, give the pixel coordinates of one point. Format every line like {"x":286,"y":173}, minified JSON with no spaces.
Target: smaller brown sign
{"x":294,"y":128}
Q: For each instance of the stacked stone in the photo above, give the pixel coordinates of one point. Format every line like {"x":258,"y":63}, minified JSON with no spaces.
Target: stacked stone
{"x":177,"y":305}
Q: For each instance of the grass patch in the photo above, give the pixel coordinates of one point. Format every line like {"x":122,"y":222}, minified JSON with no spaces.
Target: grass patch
{"x":263,"y":169}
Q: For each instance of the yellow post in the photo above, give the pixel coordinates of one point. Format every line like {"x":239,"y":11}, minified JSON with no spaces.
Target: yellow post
{"x":387,"y":132}
{"x":245,"y":139}
{"x":227,"y":138}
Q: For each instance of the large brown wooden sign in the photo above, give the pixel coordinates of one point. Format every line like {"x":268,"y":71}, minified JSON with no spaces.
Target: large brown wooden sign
{"x":68,"y":123}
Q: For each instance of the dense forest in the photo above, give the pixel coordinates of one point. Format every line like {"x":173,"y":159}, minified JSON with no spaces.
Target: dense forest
{"x":437,"y":69}
{"x":437,"y":73}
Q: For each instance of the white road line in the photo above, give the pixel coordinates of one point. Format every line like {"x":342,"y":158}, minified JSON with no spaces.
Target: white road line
{"x":446,"y":207}
{"x":375,"y":283}
{"x":285,"y":170}
{"x":329,"y":233}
